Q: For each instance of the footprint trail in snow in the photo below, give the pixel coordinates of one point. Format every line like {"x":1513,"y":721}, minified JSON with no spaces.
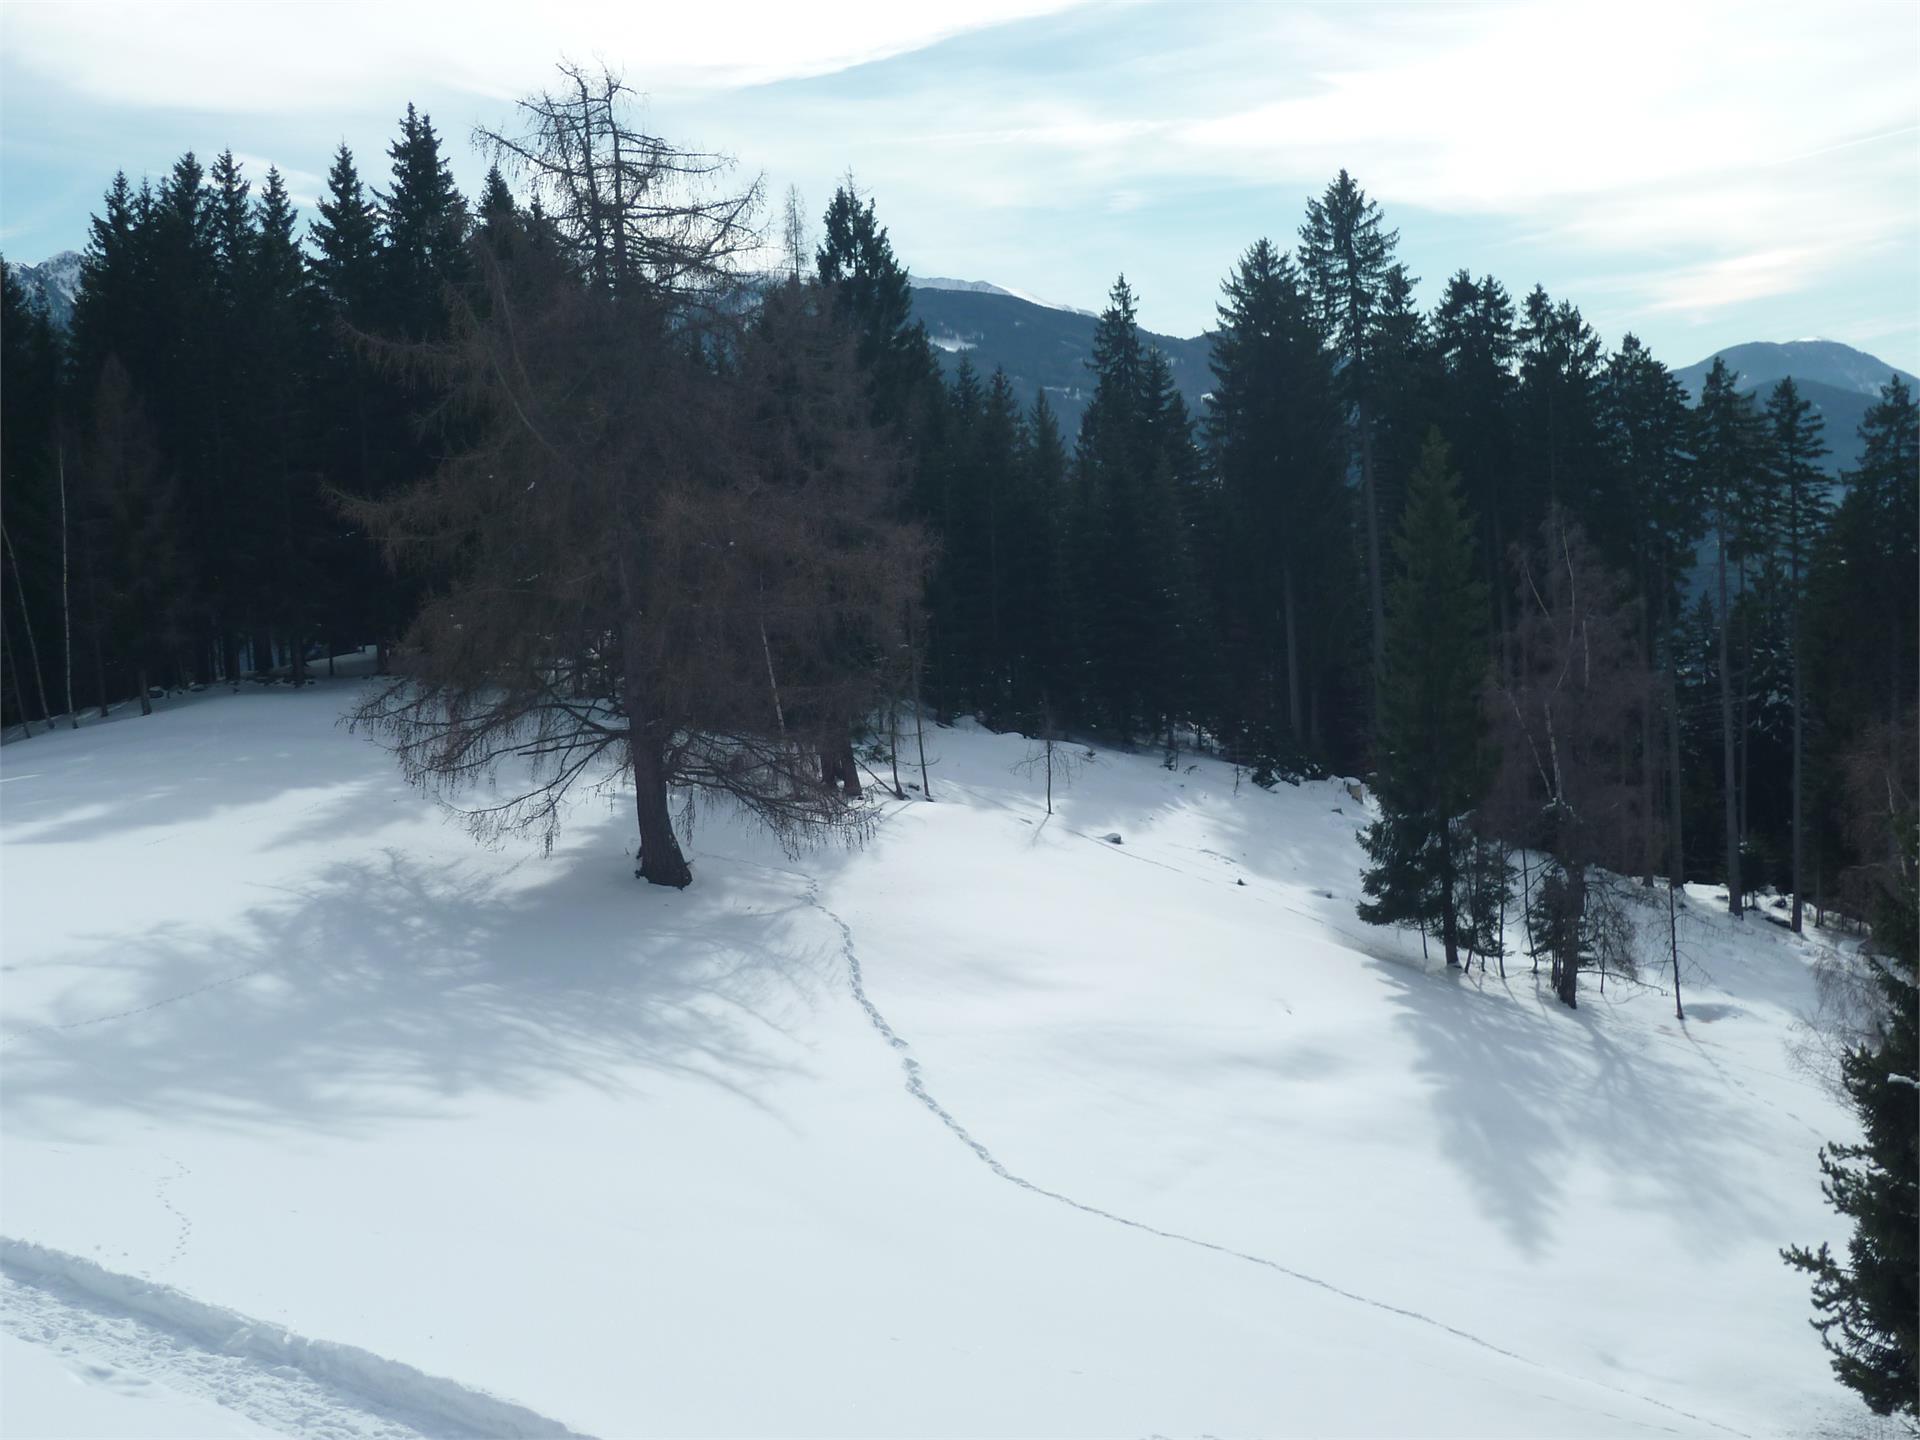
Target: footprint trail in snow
{"x":916,"y":1086}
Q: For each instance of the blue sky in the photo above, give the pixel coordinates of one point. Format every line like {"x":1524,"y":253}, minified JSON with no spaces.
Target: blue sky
{"x":1699,"y":174}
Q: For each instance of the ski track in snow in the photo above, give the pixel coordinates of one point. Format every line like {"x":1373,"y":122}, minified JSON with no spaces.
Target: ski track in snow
{"x":917,"y":1087}
{"x":127,"y":1332}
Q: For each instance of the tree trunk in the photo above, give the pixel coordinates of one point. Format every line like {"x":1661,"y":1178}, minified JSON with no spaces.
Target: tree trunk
{"x":1648,"y":768}
{"x":843,"y":768}
{"x":1449,"y":926}
{"x":93,"y":630}
{"x":1673,"y":944}
{"x":1799,"y":884}
{"x":1676,"y":846}
{"x":33,"y":646}
{"x":66,"y":588}
{"x":661,"y":862}
{"x":893,"y":742}
{"x":1735,"y":899}
{"x":1375,"y":594}
{"x":146,"y":697}
{"x":13,"y":669}
{"x":919,"y":721}
{"x":1293,"y":656}
{"x":1568,"y":941}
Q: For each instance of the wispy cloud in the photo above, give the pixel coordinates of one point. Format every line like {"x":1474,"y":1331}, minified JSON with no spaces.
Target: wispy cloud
{"x":1679,"y":169}
{"x":319,"y":54}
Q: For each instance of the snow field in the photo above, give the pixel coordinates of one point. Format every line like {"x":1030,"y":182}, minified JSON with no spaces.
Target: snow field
{"x":1155,"y":1151}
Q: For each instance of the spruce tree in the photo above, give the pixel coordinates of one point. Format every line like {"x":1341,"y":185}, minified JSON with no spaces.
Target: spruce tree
{"x":1274,"y":428}
{"x":1645,"y":430}
{"x":1868,"y":1309}
{"x":1729,"y":444}
{"x":1475,"y":346}
{"x":426,"y":228}
{"x":1434,"y":762}
{"x":1559,"y":412}
{"x":1797,"y":446}
{"x":871,"y":292}
{"x":1346,"y":254}
{"x":346,"y":242}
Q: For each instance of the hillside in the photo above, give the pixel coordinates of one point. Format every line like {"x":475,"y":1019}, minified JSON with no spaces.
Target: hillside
{"x":995,"y":1127}
{"x":1840,"y":382}
{"x":1039,"y":346}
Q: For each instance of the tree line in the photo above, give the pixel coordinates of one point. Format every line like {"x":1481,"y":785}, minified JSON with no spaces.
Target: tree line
{"x":192,"y":476}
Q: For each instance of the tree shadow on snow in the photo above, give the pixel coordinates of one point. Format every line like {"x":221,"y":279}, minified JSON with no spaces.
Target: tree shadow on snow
{"x":391,"y":988}
{"x":1529,"y":1095}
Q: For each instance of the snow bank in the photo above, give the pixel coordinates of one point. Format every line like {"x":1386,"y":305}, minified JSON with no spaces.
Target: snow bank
{"x":431,"y":1404}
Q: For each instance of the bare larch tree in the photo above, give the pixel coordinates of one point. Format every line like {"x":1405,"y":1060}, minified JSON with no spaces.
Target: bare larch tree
{"x":661,"y":515}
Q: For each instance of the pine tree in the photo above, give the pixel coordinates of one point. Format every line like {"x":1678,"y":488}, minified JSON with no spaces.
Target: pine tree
{"x":1434,"y":761}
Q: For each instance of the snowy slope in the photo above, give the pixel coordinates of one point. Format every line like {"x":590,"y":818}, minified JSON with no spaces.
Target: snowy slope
{"x":992,"y":1128}
{"x":52,"y":285}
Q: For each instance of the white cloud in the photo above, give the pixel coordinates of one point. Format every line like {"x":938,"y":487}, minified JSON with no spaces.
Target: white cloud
{"x":275,"y":57}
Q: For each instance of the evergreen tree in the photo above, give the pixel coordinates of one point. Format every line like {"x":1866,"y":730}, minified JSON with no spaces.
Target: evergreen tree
{"x":108,"y":311}
{"x":1797,"y":447}
{"x":1274,"y":426}
{"x":1475,"y":346}
{"x":359,"y":422}
{"x":346,"y":243}
{"x":1869,"y":1307}
{"x":1042,"y":559}
{"x":426,"y":229}
{"x":1434,"y":762}
{"x":1136,"y":613}
{"x":1559,"y":410}
{"x":1729,"y":444}
{"x":30,"y":415}
{"x":1645,"y":430}
{"x":281,"y":319}
{"x":496,"y":208}
{"x":1346,"y":254}
{"x":870,"y":290}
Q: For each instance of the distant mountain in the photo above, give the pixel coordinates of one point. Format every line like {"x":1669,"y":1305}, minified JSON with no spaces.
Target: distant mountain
{"x":986,"y":287}
{"x":1041,"y":347}
{"x":51,"y":286}
{"x":1840,"y":382}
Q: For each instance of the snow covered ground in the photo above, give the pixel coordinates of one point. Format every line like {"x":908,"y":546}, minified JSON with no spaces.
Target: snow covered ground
{"x":318,"y":1119}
